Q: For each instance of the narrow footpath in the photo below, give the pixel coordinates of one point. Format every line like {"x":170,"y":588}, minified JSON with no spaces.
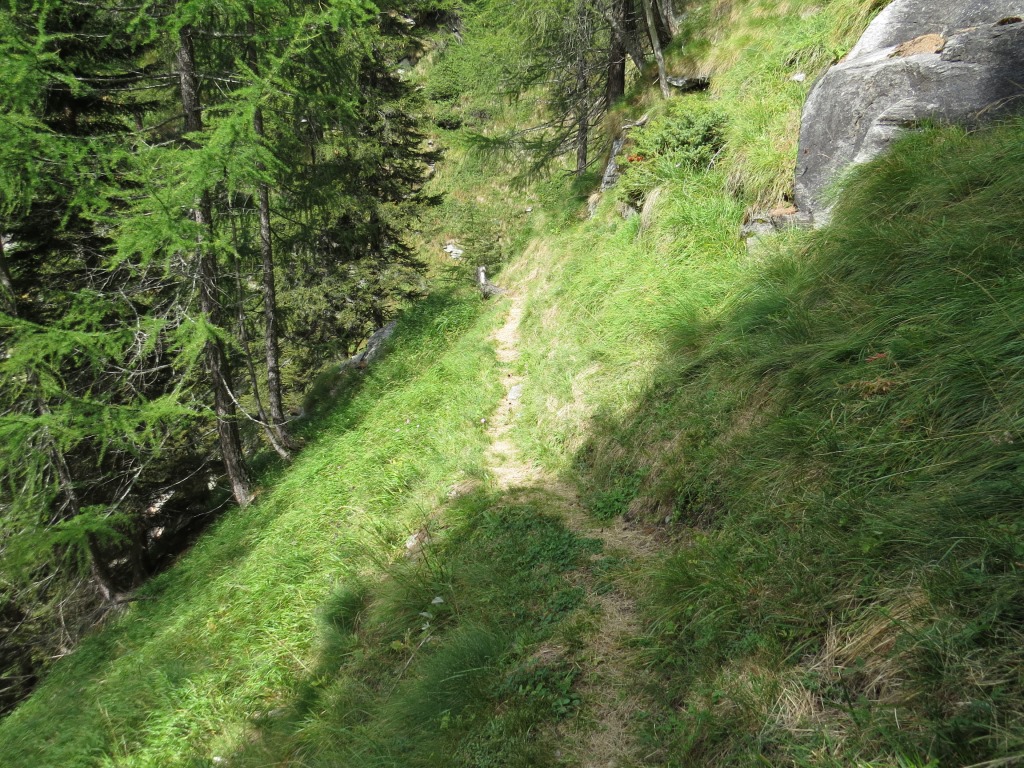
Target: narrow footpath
{"x":602,"y":733}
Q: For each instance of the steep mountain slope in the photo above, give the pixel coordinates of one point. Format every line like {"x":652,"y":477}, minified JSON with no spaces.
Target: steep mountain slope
{"x":670,"y":501}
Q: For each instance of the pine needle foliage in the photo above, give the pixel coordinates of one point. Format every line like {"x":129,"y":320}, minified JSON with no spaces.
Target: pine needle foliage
{"x":155,"y":158}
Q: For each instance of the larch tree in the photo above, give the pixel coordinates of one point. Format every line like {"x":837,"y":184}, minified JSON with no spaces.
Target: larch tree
{"x":175,"y":179}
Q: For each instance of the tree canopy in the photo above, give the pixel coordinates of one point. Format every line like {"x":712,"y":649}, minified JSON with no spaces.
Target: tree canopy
{"x":200,"y":204}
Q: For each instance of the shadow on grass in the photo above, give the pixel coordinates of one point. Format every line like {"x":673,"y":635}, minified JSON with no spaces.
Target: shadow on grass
{"x":839,"y":449}
{"x":460,"y":655}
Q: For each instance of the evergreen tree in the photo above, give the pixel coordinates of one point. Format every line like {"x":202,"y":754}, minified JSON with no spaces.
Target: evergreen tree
{"x":572,"y":56}
{"x":168,"y":175}
{"x":85,"y":400}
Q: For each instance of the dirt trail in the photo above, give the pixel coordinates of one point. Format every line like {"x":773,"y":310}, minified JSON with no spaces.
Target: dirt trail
{"x":503,"y":459}
{"x":602,"y":735}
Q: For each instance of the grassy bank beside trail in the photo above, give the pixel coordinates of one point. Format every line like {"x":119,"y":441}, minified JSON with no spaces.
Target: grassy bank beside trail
{"x":837,"y":449}
{"x":608,"y":289}
{"x":235,"y":630}
{"x":824,"y":432}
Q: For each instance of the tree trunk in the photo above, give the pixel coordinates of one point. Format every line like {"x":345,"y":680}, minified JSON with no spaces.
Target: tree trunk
{"x":617,"y":55}
{"x":622,"y":18}
{"x":652,"y":33}
{"x":667,"y":15}
{"x":581,"y":145}
{"x":98,"y":567}
{"x":101,"y":572}
{"x":140,"y":562}
{"x":220,"y":377}
{"x":189,"y":80}
{"x":583,"y":116}
{"x":7,"y":302}
{"x":243,"y":340}
{"x":216,"y":359}
{"x":664,"y":31}
{"x":273,"y":354}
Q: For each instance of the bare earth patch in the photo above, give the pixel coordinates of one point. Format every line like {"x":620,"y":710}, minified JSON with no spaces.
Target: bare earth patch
{"x":601,"y":736}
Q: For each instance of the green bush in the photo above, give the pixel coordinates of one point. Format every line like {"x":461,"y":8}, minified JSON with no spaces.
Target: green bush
{"x":686,"y":137}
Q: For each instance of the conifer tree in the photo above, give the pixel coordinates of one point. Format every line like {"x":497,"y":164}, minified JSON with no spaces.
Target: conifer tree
{"x":207,"y":274}
{"x":73,"y":387}
{"x":172,"y":176}
{"x":575,"y":53}
{"x":270,"y":320}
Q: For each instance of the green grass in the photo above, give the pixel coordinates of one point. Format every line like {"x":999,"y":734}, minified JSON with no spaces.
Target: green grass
{"x":436,"y":664}
{"x":299,"y":630}
{"x":751,"y":49}
{"x":844,"y":452}
{"x":822,"y":436}
{"x":830,"y":426}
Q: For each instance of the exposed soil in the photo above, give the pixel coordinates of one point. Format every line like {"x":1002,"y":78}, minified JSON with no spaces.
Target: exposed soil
{"x":602,"y":734}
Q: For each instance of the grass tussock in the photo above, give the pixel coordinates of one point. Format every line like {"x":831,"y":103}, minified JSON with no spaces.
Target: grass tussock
{"x":840,"y":443}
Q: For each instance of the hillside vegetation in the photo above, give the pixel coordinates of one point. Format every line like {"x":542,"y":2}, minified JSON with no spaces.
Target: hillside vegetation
{"x":669,"y":502}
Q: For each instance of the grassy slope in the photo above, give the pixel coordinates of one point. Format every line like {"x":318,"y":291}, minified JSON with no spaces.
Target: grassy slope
{"x":233,"y":629}
{"x":824,"y":431}
{"x":839,"y":446}
{"x":822,"y":436}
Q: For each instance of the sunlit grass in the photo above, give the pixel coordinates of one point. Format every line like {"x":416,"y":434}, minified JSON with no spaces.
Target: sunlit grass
{"x":822,"y":434}
{"x":231,"y":631}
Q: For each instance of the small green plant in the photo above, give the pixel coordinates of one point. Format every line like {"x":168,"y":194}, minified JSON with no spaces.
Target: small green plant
{"x":687,"y":136}
{"x":548,"y":686}
{"x":614,"y":502}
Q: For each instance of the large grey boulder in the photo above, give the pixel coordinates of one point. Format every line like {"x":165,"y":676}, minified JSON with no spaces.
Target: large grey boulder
{"x":919,"y":60}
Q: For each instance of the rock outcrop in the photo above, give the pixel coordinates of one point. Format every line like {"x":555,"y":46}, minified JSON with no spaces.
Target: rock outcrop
{"x":373,"y":347}
{"x":919,"y":60}
{"x":611,"y":171}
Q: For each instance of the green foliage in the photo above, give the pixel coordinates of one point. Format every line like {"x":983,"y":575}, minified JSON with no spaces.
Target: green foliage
{"x":822,"y":433}
{"x":550,"y":686}
{"x":608,"y":504}
{"x":688,"y":135}
{"x":690,"y":129}
{"x":518,"y":57}
{"x":134,"y":255}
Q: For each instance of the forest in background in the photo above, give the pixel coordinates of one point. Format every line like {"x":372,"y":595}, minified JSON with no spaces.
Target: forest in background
{"x":201,"y":205}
